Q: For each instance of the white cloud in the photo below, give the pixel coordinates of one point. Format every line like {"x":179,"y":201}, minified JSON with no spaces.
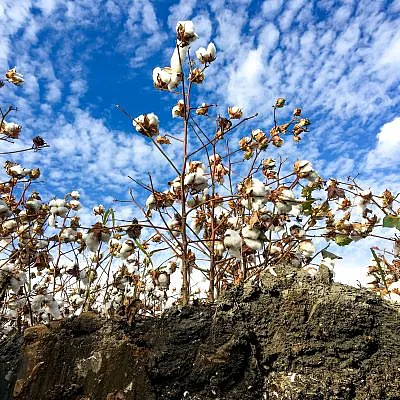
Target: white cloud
{"x":387,"y":149}
{"x":180,"y":12}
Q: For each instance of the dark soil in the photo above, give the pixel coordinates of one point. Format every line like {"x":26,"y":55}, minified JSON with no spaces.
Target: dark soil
{"x":281,"y":338}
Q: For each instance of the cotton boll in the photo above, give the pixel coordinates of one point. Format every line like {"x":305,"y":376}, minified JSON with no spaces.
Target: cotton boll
{"x":179,"y":109}
{"x":396,"y":248}
{"x":126,"y":249}
{"x":233,"y":222}
{"x":163,"y":280}
{"x":68,"y":235}
{"x":189,"y":178}
{"x":92,"y":242}
{"x":306,"y":248}
{"x":17,"y":281}
{"x":206,"y":55}
{"x":52,"y":220}
{"x":175,"y":186}
{"x":257,"y":189}
{"x":232,"y":239}
{"x":9,"y":225}
{"x":34,"y":203}
{"x":282,"y":208}
{"x":253,"y":244}
{"x":159,"y":295}
{"x":59,"y":203}
{"x":151,"y":202}
{"x":4,"y":210}
{"x":75,"y":194}
{"x":52,"y":307}
{"x":220,"y":212}
{"x":36,"y":303}
{"x":273,"y":249}
{"x":75,"y":204}
{"x":196,"y":225}
{"x":185,"y":32}
{"x":295,"y":210}
{"x":76,"y":299}
{"x":250,"y":233}
{"x":178,"y":59}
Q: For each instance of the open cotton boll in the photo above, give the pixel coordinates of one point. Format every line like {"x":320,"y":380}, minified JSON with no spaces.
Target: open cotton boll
{"x":179,"y":109}
{"x":303,"y":168}
{"x":396,"y":248}
{"x":127,"y":249}
{"x":196,"y":225}
{"x":9,"y":225}
{"x":4,"y":210}
{"x":206,"y":55}
{"x":17,"y":281}
{"x":185,"y":31}
{"x":233,"y":221}
{"x":189,"y":178}
{"x":178,"y":59}
{"x":68,"y":235}
{"x":147,"y":124}
{"x":253,"y":244}
{"x":163,"y":280}
{"x":75,"y":194}
{"x":232,"y":239}
{"x":52,"y":307}
{"x":151,"y":202}
{"x":34,"y":203}
{"x":220,"y":212}
{"x":76,"y":299}
{"x":295,"y":210}
{"x":235,"y":112}
{"x":250,"y":233}
{"x":166,"y":78}
{"x":75,"y":204}
{"x":306,"y":248}
{"x":52,"y":220}
{"x":92,"y":242}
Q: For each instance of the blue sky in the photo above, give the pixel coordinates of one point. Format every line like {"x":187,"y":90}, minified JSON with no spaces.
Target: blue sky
{"x":339,"y":61}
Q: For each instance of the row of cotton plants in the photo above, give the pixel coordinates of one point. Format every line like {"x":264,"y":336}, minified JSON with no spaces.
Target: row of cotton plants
{"x":231,"y":211}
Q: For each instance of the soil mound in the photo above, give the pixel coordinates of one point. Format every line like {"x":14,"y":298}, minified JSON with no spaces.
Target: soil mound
{"x":287,"y":337}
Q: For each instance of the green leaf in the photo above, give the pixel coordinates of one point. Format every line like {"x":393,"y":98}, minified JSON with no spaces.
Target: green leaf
{"x":307,"y":192}
{"x":106,"y":215}
{"x":328,"y":254}
{"x":147,"y":259}
{"x":306,"y":206}
{"x":391,"y":221}
{"x":342,"y":240}
{"x":381,"y":272}
{"x":112,"y":216}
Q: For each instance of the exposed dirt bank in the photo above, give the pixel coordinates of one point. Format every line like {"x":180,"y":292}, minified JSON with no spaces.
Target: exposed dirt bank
{"x":283,"y":338}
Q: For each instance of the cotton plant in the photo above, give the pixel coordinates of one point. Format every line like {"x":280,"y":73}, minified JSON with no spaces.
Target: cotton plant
{"x":267,"y":218}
